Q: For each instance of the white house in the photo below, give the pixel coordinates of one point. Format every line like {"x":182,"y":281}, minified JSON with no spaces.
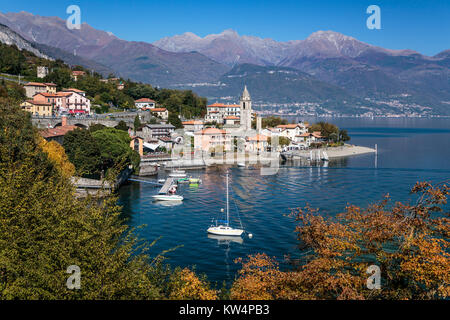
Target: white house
{"x":144,"y":103}
{"x":292,"y":130}
{"x":162,"y":113}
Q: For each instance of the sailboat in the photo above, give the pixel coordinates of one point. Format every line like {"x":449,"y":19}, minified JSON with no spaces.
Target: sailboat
{"x":225,"y":229}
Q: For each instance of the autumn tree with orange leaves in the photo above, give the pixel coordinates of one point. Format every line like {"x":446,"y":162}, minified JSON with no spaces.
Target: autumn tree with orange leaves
{"x":408,"y":242}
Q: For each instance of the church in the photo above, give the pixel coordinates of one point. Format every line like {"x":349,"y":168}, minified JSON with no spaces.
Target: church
{"x":232,"y":116}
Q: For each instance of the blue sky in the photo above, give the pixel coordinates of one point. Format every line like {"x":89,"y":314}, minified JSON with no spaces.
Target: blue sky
{"x":419,"y":25}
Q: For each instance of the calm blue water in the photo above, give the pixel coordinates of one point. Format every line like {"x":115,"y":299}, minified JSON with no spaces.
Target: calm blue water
{"x":410,"y":150}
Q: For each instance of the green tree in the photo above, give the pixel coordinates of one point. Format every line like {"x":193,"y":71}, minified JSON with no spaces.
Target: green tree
{"x":96,"y":126}
{"x":137,"y":123}
{"x":343,"y":135}
{"x":44,"y":229}
{"x":83,"y":151}
{"x":115,"y":149}
{"x":122,"y":126}
{"x":175,"y":121}
{"x":328,"y":130}
{"x":61,"y":77}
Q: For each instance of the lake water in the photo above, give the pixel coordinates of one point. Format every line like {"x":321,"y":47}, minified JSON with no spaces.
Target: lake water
{"x":409,"y":150}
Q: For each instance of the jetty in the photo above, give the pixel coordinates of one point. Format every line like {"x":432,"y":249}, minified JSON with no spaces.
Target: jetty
{"x":167,"y":184}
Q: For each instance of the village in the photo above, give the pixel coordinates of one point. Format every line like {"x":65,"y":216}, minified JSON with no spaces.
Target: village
{"x":216,"y":133}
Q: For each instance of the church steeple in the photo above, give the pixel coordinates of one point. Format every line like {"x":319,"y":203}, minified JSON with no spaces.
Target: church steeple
{"x":245,"y":94}
{"x":246,"y":110}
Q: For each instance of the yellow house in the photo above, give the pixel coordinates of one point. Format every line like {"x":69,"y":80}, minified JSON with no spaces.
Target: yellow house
{"x":39,"y":108}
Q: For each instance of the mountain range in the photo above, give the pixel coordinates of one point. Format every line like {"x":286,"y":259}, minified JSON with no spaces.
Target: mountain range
{"x":336,"y":71}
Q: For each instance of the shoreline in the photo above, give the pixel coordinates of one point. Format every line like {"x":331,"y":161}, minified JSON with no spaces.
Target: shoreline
{"x":335,"y":152}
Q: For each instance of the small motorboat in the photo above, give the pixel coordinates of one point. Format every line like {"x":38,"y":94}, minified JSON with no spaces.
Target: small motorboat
{"x":177,"y":174}
{"x":161,"y":180}
{"x":168,"y":197}
{"x":241,"y":164}
{"x":194,"y":180}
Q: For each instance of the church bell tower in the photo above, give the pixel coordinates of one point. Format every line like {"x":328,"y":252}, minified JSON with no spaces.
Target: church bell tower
{"x":246,"y":110}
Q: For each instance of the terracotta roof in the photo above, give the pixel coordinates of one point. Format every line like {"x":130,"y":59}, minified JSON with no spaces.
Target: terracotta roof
{"x":35,"y":84}
{"x":258,"y":137}
{"x":50,"y":84}
{"x":145,"y":100}
{"x":288,"y":126}
{"x":74,"y":90}
{"x":192,"y":122}
{"x":222,"y":105}
{"x":64,"y":94}
{"x":317,"y":134}
{"x":208,"y":131}
{"x":39,"y":103}
{"x":231,"y":118}
{"x":78,"y":73}
{"x":158,"y":109}
{"x":57,"y":131}
{"x":46,"y":94}
{"x":306,"y":134}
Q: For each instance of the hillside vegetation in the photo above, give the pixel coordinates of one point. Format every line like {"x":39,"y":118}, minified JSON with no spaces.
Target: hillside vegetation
{"x":104,"y":95}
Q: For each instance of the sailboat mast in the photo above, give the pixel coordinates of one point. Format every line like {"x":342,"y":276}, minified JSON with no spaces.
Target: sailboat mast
{"x":228,"y":207}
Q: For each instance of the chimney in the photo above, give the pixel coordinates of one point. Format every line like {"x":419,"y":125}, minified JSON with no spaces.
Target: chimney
{"x":64,"y":121}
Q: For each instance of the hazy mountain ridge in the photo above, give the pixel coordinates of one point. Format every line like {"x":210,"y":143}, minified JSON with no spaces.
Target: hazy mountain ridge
{"x":361,"y":69}
{"x":9,"y":37}
{"x":405,"y":79}
{"x":135,"y":60}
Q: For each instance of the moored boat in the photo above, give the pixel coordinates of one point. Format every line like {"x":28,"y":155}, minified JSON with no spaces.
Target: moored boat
{"x":224,"y":228}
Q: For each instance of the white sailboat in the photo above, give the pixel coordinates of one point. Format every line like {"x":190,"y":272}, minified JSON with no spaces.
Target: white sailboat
{"x":225,"y":229}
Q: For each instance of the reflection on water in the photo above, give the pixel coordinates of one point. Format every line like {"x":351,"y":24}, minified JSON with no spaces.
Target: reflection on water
{"x":168,"y":203}
{"x":226,"y":239}
{"x":264,"y":202}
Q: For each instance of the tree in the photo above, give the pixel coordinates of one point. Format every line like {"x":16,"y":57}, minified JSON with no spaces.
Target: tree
{"x":282,"y":141}
{"x":115,"y":151}
{"x":328,"y":130}
{"x":83,"y":151}
{"x":186,"y":285}
{"x":175,"y":121}
{"x":408,"y":242}
{"x":44,"y":229}
{"x":137,"y":123}
{"x":343,"y":135}
{"x":122,"y":126}
{"x":61,"y":77}
{"x":57,"y":155}
{"x":96,"y":126}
